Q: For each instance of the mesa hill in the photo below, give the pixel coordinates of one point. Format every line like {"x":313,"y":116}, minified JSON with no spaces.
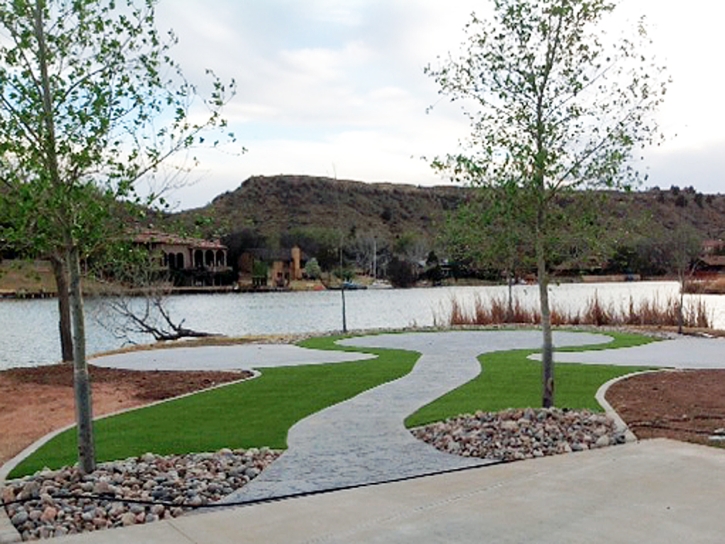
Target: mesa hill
{"x":274,"y":205}
{"x":271,"y":205}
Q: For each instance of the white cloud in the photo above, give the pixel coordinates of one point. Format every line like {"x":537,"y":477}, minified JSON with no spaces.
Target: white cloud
{"x":341,"y":82}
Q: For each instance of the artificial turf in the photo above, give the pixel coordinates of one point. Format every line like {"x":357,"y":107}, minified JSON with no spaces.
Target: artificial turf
{"x":260,"y":412}
{"x":508,"y":379}
{"x":254,"y":413}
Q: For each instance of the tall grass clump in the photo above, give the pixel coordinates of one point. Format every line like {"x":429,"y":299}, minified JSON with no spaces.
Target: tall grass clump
{"x":654,"y":312}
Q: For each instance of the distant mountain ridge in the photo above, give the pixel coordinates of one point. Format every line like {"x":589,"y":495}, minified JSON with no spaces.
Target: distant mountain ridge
{"x":273,"y":205}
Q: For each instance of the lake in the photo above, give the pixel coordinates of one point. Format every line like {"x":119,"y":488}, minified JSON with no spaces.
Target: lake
{"x":30,"y":327}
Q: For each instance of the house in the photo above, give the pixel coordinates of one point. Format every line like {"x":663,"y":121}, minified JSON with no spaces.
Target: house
{"x":261,"y":267}
{"x":713,"y":247}
{"x":189,"y":261}
{"x":712,"y":259}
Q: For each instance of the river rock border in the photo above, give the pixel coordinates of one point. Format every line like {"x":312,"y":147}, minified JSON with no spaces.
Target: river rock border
{"x":122,"y":493}
{"x":518,"y":434}
{"x":8,"y":532}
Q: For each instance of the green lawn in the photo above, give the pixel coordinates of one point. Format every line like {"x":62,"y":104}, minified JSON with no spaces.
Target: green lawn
{"x":249,"y":414}
{"x":509,"y":380}
{"x":261,"y":411}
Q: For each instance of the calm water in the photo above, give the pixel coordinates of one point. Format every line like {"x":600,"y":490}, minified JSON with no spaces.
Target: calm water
{"x":29,"y":327}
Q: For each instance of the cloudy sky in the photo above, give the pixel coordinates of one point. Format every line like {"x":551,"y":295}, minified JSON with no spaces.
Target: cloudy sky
{"x":336,"y":87}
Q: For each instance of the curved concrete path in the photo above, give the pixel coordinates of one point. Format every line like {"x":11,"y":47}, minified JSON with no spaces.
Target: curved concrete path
{"x":232,"y":357}
{"x":684,"y":352}
{"x":654,"y":491}
{"x":363,"y":440}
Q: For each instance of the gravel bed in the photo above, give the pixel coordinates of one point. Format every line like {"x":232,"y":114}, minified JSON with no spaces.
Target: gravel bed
{"x":62,"y":502}
{"x":514,"y":435}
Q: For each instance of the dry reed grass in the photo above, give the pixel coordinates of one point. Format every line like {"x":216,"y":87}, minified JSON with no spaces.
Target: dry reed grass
{"x":715,"y":286}
{"x":645,"y":313}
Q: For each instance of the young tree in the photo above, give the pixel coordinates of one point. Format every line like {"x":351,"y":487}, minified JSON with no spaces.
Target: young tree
{"x":555,"y":106}
{"x":90,"y":105}
{"x":492,"y":231}
{"x":684,"y":246}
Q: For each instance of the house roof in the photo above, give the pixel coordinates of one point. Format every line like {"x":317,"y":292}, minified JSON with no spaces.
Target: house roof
{"x":158,"y":237}
{"x":713,"y":260}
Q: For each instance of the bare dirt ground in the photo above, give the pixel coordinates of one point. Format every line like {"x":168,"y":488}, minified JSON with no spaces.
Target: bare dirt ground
{"x":36,"y":401}
{"x":683,"y":405}
{"x":687,"y":405}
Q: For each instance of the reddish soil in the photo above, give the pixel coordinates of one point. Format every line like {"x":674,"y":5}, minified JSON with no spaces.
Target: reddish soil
{"x":36,"y":401}
{"x":686,"y":405}
{"x":683,"y":405}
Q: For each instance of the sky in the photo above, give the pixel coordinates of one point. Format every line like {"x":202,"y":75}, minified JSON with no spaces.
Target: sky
{"x":336,"y":88}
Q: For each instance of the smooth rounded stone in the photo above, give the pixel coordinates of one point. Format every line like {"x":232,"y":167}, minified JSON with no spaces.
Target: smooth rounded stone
{"x":148,"y":458}
{"x":30,"y":490}
{"x":20,"y":518}
{"x":136,"y":508}
{"x":49,"y":514}
{"x":90,"y":502}
{"x":251,"y":473}
{"x":116,"y":510}
{"x":7,"y":495}
{"x":520,"y":434}
{"x":102,"y":487}
{"x":602,"y":442}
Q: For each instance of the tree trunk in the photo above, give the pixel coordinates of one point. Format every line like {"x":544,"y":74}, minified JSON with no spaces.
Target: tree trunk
{"x":81,"y":378}
{"x":510,"y":305}
{"x":344,"y":310}
{"x":60,"y":271}
{"x":547,"y":356}
{"x":680,"y":308}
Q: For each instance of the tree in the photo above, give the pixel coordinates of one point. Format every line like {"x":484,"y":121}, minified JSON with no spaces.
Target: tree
{"x":492,"y":230}
{"x":555,"y":107}
{"x":401,"y":273}
{"x":684,"y":246}
{"x":91,"y":104}
{"x":138,"y":296}
{"x":313,"y":270}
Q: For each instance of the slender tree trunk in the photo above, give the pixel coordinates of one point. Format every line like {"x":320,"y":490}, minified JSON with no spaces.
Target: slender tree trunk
{"x":510,"y":305}
{"x":344,"y":310}
{"x":81,"y":378}
{"x":680,"y":308}
{"x":547,"y":361}
{"x":60,"y":271}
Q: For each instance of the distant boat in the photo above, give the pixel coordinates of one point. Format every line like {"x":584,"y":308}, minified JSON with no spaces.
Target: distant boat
{"x":352,"y":286}
{"x":380,"y":284}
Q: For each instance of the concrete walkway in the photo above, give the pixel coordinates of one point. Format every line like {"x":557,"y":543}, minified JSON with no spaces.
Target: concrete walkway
{"x":232,"y":357}
{"x":654,"y":491}
{"x":682,"y":352}
{"x":363,"y":440}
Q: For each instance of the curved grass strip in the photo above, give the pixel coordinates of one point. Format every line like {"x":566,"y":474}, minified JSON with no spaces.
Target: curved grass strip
{"x":255,"y":413}
{"x":509,"y":380}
